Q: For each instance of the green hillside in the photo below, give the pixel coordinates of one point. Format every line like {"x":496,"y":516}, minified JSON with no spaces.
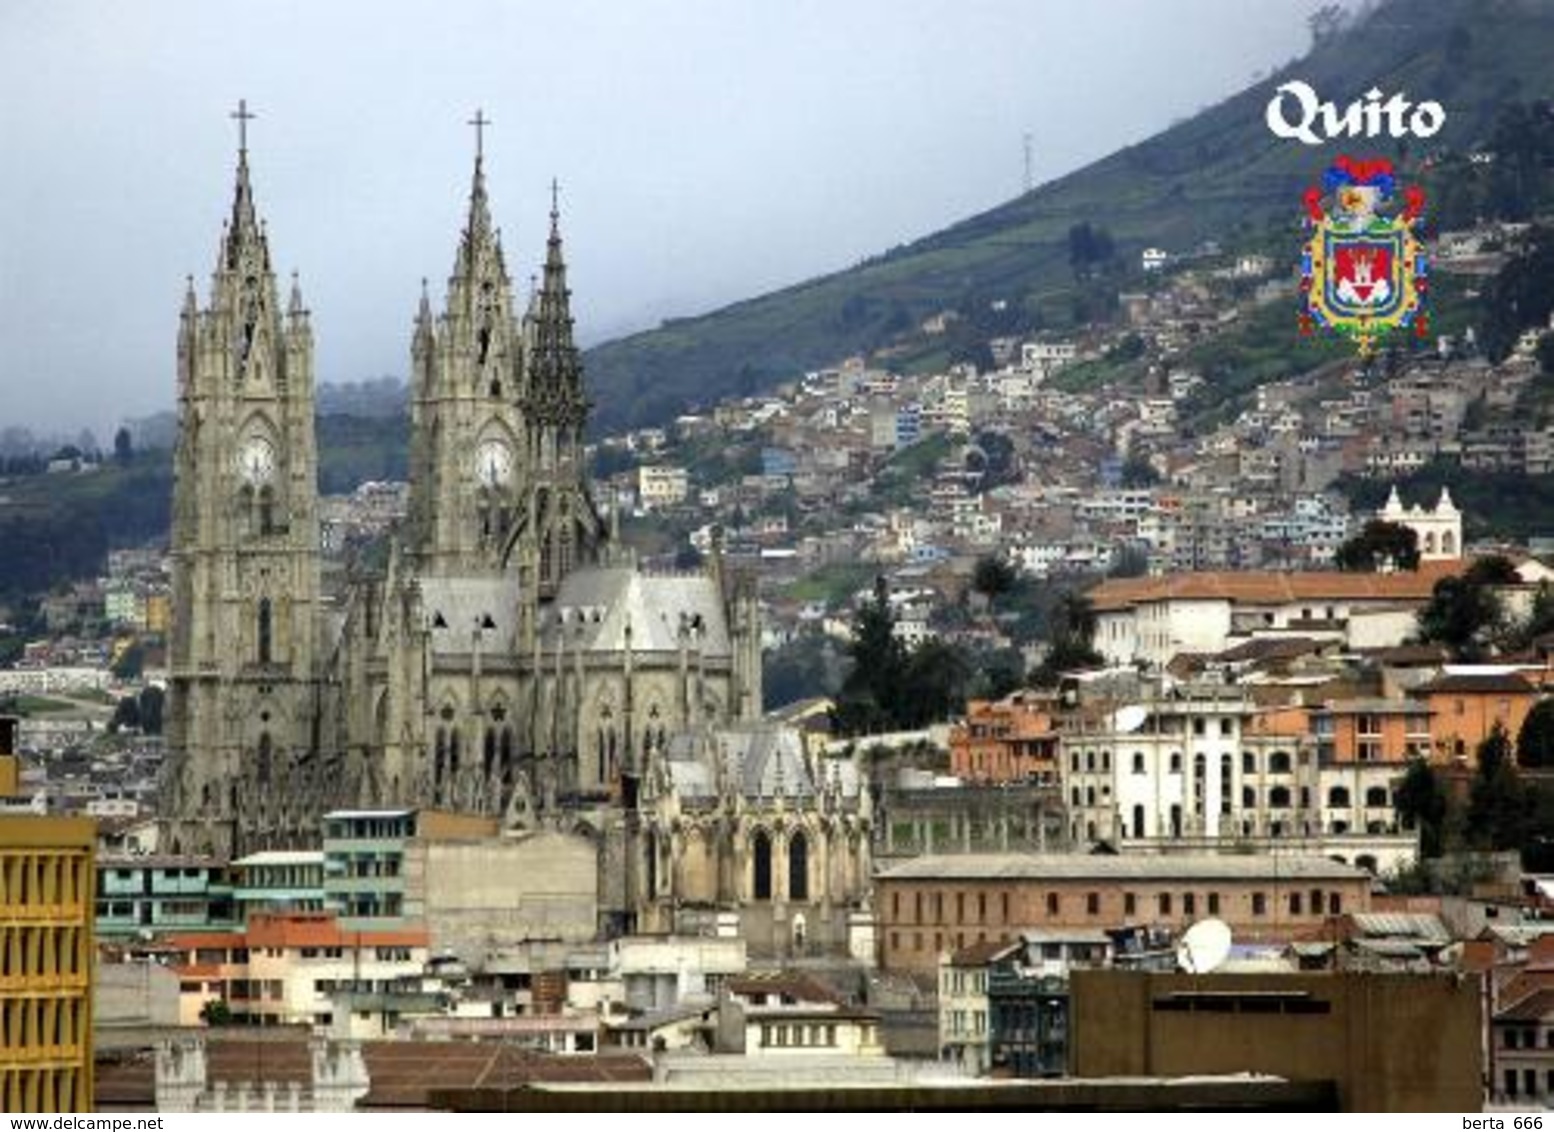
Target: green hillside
{"x":1219,"y":175}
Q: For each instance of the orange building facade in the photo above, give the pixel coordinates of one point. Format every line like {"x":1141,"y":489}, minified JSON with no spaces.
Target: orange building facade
{"x":284,"y":968}
{"x":1465,"y":709}
{"x":1008,"y":740}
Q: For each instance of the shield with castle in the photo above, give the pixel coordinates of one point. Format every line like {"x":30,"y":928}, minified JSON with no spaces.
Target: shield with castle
{"x":1364,"y":270}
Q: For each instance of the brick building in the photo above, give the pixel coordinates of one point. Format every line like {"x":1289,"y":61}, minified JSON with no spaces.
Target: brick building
{"x":1008,"y":740}
{"x":928,"y":905}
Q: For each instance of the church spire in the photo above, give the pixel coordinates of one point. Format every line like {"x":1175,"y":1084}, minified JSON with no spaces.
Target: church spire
{"x":244,"y":246}
{"x":556,"y":387}
{"x":481,"y":245}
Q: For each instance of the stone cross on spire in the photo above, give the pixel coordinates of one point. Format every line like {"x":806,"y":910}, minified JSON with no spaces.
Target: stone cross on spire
{"x":242,"y":116}
{"x":480,"y":122}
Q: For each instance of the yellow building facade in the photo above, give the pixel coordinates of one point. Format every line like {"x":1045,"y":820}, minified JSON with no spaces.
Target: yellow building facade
{"x":46,"y":957}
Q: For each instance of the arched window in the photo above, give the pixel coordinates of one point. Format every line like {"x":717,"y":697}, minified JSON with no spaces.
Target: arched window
{"x":1176,"y":762}
{"x":264,"y":630}
{"x":1176,"y":821}
{"x":506,"y":748}
{"x":1248,"y":762}
{"x":1377,"y":796}
{"x":1248,"y":798}
{"x":454,"y":743}
{"x":440,"y":757}
{"x":1448,"y":547}
{"x":1106,"y":760}
{"x":266,"y":753}
{"x":1089,"y":760}
{"x":1138,"y":762}
{"x":1279,"y":762}
{"x":1200,"y":766}
{"x":798,"y":867}
{"x":1138,"y":821}
{"x":1338,"y":796}
{"x":267,"y":510}
{"x":1279,"y":798}
{"x":761,"y":854}
{"x":488,"y":752}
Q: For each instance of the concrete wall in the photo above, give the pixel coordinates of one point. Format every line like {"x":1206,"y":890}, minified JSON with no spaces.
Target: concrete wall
{"x":134,"y":994}
{"x":1392,"y":1043}
{"x":479,"y":896}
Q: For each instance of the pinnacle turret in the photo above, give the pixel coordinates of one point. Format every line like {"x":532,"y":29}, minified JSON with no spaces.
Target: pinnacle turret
{"x":244,"y":247}
{"x":556,"y":383}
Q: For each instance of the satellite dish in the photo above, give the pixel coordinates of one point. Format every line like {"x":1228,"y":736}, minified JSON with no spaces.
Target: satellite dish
{"x":1203,"y":947}
{"x":1130,"y":718}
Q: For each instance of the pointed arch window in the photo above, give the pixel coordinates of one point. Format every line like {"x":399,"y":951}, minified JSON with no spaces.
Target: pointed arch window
{"x":267,"y":510}
{"x":798,"y":867}
{"x":505,"y":745}
{"x":488,"y":762}
{"x":761,"y":852}
{"x":266,"y":754}
{"x":265,"y":630}
{"x":440,"y":758}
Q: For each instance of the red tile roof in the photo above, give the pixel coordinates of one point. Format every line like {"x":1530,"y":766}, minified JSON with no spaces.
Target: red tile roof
{"x":1268,"y":587}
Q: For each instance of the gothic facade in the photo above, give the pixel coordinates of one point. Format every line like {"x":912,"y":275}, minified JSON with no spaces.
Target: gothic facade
{"x":511,"y":657}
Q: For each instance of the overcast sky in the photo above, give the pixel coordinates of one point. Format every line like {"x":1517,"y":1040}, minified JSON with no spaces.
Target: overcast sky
{"x":708,"y":150}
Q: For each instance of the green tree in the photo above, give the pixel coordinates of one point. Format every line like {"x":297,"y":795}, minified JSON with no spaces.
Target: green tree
{"x":934,"y":684}
{"x":996,"y":673}
{"x":1420,"y":802}
{"x":126,"y":715}
{"x":870,"y":695}
{"x":808,"y":665}
{"x":1137,"y":471}
{"x":1073,"y":630}
{"x":1379,"y":545}
{"x":1540,"y":619}
{"x":151,"y":702}
{"x":1535,"y":741}
{"x":1520,"y":295}
{"x":130,"y":662}
{"x":1464,"y":613}
{"x":992,"y":577}
{"x":123,"y":446}
{"x":1500,"y":808}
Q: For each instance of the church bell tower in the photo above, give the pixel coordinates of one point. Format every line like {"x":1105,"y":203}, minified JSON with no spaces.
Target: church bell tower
{"x":244,"y":697}
{"x":467,"y":442}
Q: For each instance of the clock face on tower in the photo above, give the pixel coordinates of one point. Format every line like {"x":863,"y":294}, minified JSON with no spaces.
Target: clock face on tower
{"x":494,"y":463}
{"x":256,"y":461}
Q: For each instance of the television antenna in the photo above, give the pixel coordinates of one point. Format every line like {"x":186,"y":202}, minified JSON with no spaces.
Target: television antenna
{"x":1204,"y":947}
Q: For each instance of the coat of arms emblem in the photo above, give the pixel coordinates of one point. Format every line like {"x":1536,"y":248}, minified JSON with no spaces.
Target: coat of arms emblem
{"x":1364,"y":271}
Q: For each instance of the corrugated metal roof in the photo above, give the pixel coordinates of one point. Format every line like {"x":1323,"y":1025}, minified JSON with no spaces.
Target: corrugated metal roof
{"x":1409,"y":925}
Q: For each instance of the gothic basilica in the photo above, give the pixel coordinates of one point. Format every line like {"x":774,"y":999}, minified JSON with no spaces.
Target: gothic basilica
{"x":511,"y":658}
